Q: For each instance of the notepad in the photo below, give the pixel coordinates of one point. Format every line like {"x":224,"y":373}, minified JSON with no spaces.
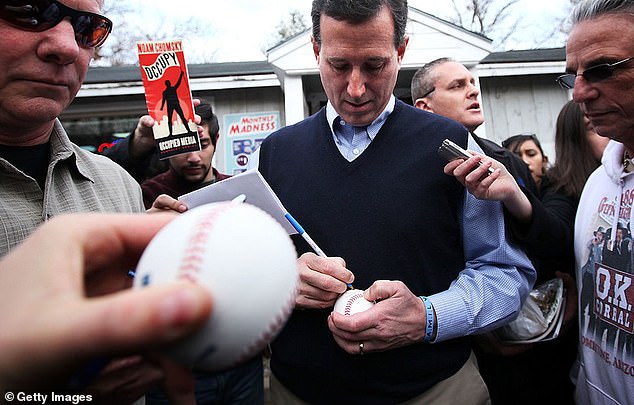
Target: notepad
{"x":252,"y":185}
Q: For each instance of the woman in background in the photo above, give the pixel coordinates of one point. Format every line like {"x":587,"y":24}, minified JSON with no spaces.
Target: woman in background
{"x":529,"y":149}
{"x":578,"y":150}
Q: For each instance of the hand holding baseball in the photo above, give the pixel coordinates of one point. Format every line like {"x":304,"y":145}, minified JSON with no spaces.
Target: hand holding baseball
{"x":396,"y":320}
{"x":352,"y":302}
{"x":54,"y":318}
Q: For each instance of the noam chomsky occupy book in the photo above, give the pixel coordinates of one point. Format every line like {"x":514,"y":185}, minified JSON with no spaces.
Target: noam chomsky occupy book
{"x":168,"y":97}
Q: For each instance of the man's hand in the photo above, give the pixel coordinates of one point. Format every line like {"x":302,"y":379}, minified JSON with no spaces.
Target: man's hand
{"x":321,"y":281}
{"x":165,"y":203}
{"x":54,"y":320}
{"x":397,"y":320}
{"x":143,"y":142}
{"x":498,"y":186}
{"x":572,"y":303}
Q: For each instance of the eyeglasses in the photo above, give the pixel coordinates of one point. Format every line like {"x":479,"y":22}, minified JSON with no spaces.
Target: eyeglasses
{"x":433,"y":89}
{"x":592,"y":74}
{"x":91,"y":30}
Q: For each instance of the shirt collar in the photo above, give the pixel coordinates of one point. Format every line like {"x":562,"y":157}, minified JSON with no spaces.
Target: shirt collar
{"x":62,"y":149}
{"x":373,"y":128}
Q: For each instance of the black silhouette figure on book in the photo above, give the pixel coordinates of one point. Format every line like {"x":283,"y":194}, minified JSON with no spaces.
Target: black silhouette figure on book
{"x":173,"y":103}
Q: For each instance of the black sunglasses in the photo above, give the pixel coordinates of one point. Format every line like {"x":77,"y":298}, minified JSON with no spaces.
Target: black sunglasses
{"x":433,"y":89}
{"x":592,"y":74}
{"x":91,"y":30}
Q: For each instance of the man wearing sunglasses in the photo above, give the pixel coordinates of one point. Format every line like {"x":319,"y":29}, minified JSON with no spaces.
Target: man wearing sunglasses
{"x":600,"y":72}
{"x":46,"y":47}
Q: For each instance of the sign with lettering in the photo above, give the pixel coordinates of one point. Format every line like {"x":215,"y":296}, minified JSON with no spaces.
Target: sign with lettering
{"x":243,"y":135}
{"x":613,"y":297}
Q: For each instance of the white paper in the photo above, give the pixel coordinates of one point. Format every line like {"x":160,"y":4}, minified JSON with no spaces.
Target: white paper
{"x":252,"y":185}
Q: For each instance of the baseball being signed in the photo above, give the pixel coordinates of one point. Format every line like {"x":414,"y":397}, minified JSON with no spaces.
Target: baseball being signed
{"x":352,"y":302}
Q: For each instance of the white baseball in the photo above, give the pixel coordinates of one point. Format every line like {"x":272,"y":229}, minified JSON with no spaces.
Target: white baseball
{"x":246,"y":260}
{"x":352,"y":302}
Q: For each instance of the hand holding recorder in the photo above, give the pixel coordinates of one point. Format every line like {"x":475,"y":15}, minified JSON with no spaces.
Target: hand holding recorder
{"x":450,"y":151}
{"x":486,"y":179}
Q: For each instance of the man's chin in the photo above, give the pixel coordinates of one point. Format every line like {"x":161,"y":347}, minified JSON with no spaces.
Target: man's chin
{"x":37,"y":110}
{"x":193,"y":179}
{"x":608,"y":130}
{"x":473,"y":124}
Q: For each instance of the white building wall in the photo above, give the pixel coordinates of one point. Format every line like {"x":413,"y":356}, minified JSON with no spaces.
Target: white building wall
{"x":516,"y":104}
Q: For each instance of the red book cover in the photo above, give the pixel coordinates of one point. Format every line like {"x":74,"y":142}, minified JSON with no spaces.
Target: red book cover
{"x":168,"y":97}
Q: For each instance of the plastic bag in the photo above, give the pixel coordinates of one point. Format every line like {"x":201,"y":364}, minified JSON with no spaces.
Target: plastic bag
{"x":537,"y":314}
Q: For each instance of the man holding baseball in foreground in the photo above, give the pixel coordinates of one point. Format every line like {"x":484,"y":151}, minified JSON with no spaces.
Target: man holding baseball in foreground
{"x":56,"y":317}
{"x":364,"y":179}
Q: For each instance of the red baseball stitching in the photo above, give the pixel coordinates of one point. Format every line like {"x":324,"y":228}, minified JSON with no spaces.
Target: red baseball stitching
{"x":191,"y":262}
{"x":351,"y":301}
{"x":271,"y":331}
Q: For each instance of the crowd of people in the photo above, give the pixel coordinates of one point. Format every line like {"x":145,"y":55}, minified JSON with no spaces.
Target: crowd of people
{"x":448,"y":251}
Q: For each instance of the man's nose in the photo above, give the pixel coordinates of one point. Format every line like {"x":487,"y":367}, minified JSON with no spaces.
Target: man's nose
{"x":193,"y":157}
{"x":59,"y":43}
{"x":583,"y":90}
{"x":356,"y":83}
{"x":473,"y":91}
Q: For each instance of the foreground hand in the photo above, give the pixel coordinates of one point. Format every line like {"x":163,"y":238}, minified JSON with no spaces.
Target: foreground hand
{"x":321,"y":281}
{"x":166,"y":203}
{"x":397,"y":320}
{"x":125,"y":380}
{"x":51,"y":329}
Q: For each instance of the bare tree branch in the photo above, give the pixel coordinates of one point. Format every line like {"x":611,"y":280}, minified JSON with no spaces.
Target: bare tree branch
{"x":120,"y":48}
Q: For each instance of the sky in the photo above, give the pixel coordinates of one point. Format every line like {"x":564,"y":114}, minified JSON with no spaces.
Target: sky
{"x":239,"y":30}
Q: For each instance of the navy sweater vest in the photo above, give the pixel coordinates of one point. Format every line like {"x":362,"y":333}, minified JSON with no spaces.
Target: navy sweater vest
{"x":392,"y":214}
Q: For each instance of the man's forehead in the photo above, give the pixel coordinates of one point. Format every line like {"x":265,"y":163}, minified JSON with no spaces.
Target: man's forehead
{"x":340,"y":58}
{"x":88,"y":5}
{"x":450,"y":71}
{"x":597,"y":41}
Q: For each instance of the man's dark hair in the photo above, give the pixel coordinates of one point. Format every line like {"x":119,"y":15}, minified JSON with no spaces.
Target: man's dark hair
{"x":208,"y":118}
{"x":360,"y":11}
{"x":423,"y":82}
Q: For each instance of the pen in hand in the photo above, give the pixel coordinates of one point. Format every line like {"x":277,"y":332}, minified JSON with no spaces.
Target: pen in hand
{"x":309,"y":240}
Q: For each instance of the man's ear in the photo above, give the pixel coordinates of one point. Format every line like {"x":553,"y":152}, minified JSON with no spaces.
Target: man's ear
{"x":315,"y":48}
{"x":401,"y":50}
{"x":422,"y":104}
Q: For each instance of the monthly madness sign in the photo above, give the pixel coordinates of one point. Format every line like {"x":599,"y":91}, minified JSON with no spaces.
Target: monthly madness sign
{"x":168,"y":96}
{"x":243,"y":135}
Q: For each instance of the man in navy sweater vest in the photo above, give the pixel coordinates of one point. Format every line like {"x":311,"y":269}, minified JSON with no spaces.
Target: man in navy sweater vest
{"x":364,"y":179}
